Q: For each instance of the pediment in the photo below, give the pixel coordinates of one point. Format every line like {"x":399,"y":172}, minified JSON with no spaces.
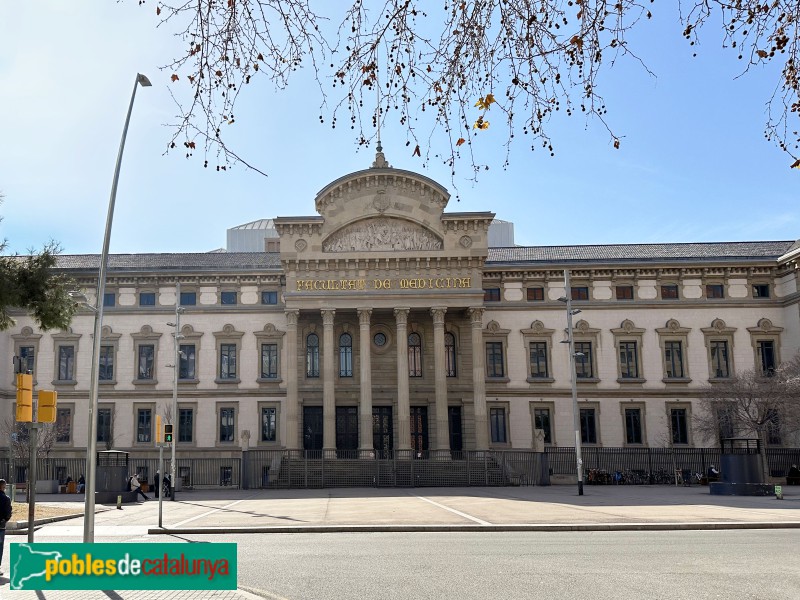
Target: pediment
{"x":383,"y":234}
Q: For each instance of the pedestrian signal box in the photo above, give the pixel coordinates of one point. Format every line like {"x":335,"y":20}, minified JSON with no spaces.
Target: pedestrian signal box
{"x":168,"y":433}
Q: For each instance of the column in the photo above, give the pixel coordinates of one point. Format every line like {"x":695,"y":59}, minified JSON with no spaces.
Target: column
{"x":442,"y":425}
{"x":403,"y":406}
{"x":365,"y":404}
{"x":292,"y":418}
{"x":479,"y":379}
{"x":328,"y":391}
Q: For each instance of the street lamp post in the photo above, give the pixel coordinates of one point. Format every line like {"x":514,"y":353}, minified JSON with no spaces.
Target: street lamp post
{"x":179,"y":310}
{"x":91,"y":446}
{"x":567,"y":298}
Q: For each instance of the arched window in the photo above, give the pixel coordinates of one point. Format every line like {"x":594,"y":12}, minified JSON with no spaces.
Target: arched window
{"x":312,"y":355}
{"x":414,"y":355}
{"x":450,"y":354}
{"x":345,"y":355}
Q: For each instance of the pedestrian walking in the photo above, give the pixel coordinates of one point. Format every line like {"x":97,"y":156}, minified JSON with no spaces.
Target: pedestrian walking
{"x":5,"y":515}
{"x":137,"y":487}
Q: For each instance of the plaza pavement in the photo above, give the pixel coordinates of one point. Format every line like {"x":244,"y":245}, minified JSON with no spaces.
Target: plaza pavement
{"x":554,"y":508}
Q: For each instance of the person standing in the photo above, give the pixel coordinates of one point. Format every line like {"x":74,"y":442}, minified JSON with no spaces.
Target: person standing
{"x":5,"y":515}
{"x":157,"y":479}
{"x":137,"y":487}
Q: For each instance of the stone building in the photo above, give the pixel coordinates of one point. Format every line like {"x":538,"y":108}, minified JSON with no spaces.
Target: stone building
{"x":386,"y":323}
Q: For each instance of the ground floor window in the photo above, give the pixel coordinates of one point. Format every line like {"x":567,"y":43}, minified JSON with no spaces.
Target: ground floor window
{"x":497,"y":420}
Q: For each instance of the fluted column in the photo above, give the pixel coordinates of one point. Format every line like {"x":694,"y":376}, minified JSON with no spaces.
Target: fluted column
{"x":291,"y":437}
{"x":442,"y":426}
{"x":365,"y":404}
{"x":328,"y":390}
{"x":403,"y":406}
{"x":479,"y":379}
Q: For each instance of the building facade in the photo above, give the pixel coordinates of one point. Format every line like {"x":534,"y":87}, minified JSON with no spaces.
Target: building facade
{"x":386,"y":323}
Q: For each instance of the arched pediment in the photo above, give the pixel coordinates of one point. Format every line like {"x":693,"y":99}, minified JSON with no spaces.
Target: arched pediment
{"x":382,"y":234}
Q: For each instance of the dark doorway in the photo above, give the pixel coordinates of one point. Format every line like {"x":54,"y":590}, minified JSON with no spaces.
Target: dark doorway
{"x":346,"y":430}
{"x":419,"y":431}
{"x":382,"y":431}
{"x":312,"y":431}
{"x":456,"y":438}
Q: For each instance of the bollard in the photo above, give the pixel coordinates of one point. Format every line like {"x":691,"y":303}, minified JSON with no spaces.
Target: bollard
{"x":119,"y":502}
{"x":778,"y":492}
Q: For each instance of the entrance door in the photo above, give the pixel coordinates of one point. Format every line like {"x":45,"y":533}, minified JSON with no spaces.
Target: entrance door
{"x":346,"y":430}
{"x":312,"y":431}
{"x":456,"y":439}
{"x":382,"y":431}
{"x":419,"y":431}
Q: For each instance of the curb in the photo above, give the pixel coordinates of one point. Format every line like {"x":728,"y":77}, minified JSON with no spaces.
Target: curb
{"x":554,"y":527}
{"x":22,"y":526}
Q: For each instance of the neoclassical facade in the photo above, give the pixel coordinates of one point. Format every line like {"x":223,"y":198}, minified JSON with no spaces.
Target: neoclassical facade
{"x":386,"y":323}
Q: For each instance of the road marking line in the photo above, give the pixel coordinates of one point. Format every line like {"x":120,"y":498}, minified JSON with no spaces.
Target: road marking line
{"x":211,"y":512}
{"x":453,"y":510}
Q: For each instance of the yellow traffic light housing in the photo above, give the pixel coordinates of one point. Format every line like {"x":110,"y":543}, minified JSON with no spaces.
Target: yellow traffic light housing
{"x":159,"y":434}
{"x":46,"y":409}
{"x":24,"y":398}
{"x":168,"y":433}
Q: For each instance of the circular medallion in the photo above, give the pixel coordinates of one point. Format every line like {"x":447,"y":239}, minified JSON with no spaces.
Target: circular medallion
{"x":379,"y":339}
{"x":465,"y":241}
{"x":300,"y":245}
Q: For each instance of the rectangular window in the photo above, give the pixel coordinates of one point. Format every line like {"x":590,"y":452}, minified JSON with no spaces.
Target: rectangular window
{"x":624,"y":292}
{"x":773,"y":428}
{"x":269,"y":297}
{"x":63,"y":425}
{"x":185,"y":424}
{"x":766,"y":357}
{"x":104,"y":425}
{"x":28,"y":355}
{"x":680,"y":428}
{"x":106,"y":372}
{"x":491,"y":295}
{"x":669,"y":292}
{"x":761,"y":290}
{"x":588,"y":426}
{"x":580,"y":292}
{"x":497,"y":420}
{"x":719,"y":359}
{"x":535,"y":294}
{"x":227,"y":361}
{"x":539,"y":368}
{"x":715,"y":290}
{"x":188,"y":298}
{"x":147,"y":299}
{"x":227,"y":424}
{"x":146,"y":356}
{"x":673,"y":360}
{"x":109,"y":299}
{"x":228,"y":298}
{"x":494,"y":359}
{"x":187,"y":362}
{"x":583,"y":360}
{"x":541,"y":419}
{"x":633,"y":425}
{"x":628,"y":360}
{"x":66,"y":363}
{"x":269,"y":424}
{"x":144,"y":423}
{"x":269,"y":361}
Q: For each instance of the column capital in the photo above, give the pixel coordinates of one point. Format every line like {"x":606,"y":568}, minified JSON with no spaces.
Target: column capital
{"x":291,"y":316}
{"x":476,"y":316}
{"x":438,"y":314}
{"x":401,"y":315}
{"x":327,"y":316}
{"x":364,"y":315}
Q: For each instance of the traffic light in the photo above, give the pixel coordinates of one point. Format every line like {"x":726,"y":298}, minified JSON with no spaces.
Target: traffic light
{"x":46,"y":410}
{"x":24,"y":398}
{"x":159,"y":435}
{"x":168,"y":433}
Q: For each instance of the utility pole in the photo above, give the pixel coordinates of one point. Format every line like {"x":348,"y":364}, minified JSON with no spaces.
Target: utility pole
{"x":567,"y":298}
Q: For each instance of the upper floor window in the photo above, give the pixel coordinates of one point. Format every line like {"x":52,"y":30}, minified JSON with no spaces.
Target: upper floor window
{"x":628,"y":360}
{"x":146,"y":360}
{"x":491,"y":295}
{"x":414,"y":355}
{"x":269,"y":297}
{"x":765,"y":350}
{"x":673,"y":360}
{"x":494,"y":359}
{"x":269,"y":361}
{"x":345,"y":355}
{"x":534,"y":294}
{"x":715,"y":290}
{"x":147,"y":299}
{"x":228,"y":298}
{"x":624,"y":292}
{"x":580,"y":292}
{"x":538,"y":354}
{"x":669,"y":291}
{"x":312,"y":355}
{"x":66,"y":363}
{"x":450,"y":354}
{"x":27,"y":355}
{"x":720,"y":365}
{"x":760,"y":290}
{"x":109,"y":299}
{"x":106,"y":372}
{"x":188,"y":298}
{"x":583,"y":360}
{"x":187,"y":362}
{"x":227,"y":361}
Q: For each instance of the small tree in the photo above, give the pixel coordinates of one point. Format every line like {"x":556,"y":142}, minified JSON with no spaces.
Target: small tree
{"x":753,"y":405}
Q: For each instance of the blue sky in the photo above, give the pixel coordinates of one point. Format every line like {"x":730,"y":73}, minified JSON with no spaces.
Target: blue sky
{"x":693,"y":164}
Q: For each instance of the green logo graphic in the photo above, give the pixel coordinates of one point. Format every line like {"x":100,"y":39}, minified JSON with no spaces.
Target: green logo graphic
{"x":123,"y":566}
